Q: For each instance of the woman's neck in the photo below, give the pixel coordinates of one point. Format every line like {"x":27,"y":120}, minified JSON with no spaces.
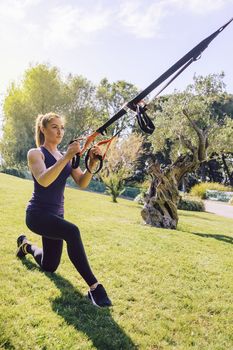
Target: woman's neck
{"x":50,"y":147}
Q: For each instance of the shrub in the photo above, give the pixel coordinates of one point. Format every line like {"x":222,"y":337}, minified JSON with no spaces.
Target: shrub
{"x":191,"y":205}
{"x":140,"y":198}
{"x":200,"y":189}
{"x":219,"y":195}
{"x":184,"y":203}
{"x":96,"y":186}
{"x":130,"y":192}
{"x":14,"y":172}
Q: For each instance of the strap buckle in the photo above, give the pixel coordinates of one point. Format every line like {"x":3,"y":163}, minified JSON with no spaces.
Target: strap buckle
{"x":144,"y":121}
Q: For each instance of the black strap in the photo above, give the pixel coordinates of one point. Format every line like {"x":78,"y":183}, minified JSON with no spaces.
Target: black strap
{"x":192,"y":54}
{"x":116,"y":116}
{"x":144,"y":120}
{"x":87,"y":163}
{"x":76,"y":159}
{"x":175,"y":76}
{"x":182,"y":63}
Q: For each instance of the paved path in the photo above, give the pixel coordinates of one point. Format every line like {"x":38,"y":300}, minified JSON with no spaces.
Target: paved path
{"x":219,"y":208}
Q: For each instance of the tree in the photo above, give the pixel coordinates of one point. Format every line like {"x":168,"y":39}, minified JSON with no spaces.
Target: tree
{"x":218,"y":167}
{"x":39,"y":92}
{"x":190,"y":121}
{"x":120,"y":162}
{"x":110,"y":98}
{"x":42,"y":91}
{"x":79,"y":108}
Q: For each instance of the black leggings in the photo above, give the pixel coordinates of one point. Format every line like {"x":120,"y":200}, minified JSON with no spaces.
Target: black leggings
{"x":54,"y":229}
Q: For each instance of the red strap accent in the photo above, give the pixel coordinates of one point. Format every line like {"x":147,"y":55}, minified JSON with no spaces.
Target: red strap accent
{"x":92,"y":137}
{"x":108,"y":142}
{"x":89,"y":140}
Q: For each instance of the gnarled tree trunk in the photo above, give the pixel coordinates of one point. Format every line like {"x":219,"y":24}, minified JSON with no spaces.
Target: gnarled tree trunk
{"x":160,"y":208}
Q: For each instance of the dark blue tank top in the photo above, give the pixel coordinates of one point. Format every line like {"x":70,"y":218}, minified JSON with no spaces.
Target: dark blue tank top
{"x":50,"y":198}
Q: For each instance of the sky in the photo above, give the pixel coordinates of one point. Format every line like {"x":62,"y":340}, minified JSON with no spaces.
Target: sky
{"x":122,"y":39}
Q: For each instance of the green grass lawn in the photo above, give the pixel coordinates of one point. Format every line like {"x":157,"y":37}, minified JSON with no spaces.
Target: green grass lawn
{"x":170,"y":289}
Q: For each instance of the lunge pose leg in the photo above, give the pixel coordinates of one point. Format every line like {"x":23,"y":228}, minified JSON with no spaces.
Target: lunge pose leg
{"x":45,"y":210}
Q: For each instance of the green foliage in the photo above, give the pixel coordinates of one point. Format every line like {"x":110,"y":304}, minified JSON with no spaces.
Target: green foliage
{"x":42,"y":90}
{"x":209,"y":108}
{"x":191,"y":205}
{"x":111,"y":97}
{"x":39,"y":92}
{"x":100,"y":187}
{"x":79,"y":107}
{"x":185,"y":203}
{"x":96,"y":186}
{"x":114,"y":185}
{"x":130,"y":192}
{"x":184,"y":276}
{"x":200,"y":189}
{"x":222,"y":196}
{"x":140,"y":198}
{"x":13,"y":172}
{"x":120,"y":163}
{"x":144,"y":190}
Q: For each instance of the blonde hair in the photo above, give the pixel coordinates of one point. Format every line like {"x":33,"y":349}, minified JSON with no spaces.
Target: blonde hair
{"x":42,"y":120}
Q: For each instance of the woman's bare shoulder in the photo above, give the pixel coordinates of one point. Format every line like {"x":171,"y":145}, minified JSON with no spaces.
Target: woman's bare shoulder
{"x":34,"y":153}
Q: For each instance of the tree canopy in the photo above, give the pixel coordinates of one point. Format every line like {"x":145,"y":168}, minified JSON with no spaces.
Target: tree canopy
{"x":86,"y":106}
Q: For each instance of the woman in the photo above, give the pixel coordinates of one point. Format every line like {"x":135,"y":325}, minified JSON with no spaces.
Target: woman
{"x":45,"y":210}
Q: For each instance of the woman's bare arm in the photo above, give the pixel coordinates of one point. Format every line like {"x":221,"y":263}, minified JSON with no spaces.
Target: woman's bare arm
{"x":81,"y":178}
{"x":45,"y":176}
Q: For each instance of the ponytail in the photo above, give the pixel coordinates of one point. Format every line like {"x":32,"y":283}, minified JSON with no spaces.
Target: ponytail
{"x":39,"y":136}
{"x":41,"y":121}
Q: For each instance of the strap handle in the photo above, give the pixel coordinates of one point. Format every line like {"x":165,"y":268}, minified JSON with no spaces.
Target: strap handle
{"x":76,"y":159}
{"x":101,"y":158}
{"x":144,"y":120}
{"x":87,"y":163}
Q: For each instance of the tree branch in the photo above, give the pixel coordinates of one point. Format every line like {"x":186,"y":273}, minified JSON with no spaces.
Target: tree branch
{"x":188,"y":144}
{"x":202,"y":136}
{"x":192,"y":122}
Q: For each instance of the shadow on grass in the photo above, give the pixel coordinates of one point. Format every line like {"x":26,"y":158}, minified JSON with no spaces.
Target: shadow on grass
{"x":223,"y":238}
{"x":197,"y":215}
{"x":96,"y":323}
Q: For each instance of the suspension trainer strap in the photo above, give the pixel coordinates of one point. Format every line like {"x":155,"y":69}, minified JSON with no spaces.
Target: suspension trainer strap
{"x":87,"y":163}
{"x":76,"y":159}
{"x":175,"y":76}
{"x":135,"y":104}
{"x":194,"y":54}
{"x":144,"y":120}
{"x":181,"y":64}
{"x":101,"y":158}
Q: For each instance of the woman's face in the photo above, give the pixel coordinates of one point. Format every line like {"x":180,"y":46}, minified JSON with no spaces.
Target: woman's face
{"x":54,"y":131}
